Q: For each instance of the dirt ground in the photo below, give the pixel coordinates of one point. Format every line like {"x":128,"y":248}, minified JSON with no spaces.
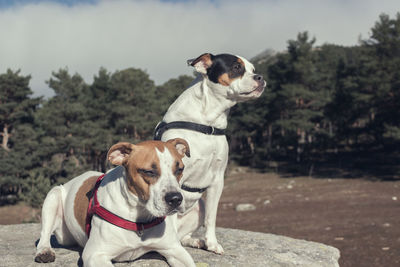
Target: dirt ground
{"x":359,"y":217}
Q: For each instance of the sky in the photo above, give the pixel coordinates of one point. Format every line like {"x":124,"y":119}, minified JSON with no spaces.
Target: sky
{"x":158,"y":36}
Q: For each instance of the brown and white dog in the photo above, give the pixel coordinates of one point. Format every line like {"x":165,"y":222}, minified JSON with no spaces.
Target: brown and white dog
{"x":145,"y":186}
{"x":200,"y":115}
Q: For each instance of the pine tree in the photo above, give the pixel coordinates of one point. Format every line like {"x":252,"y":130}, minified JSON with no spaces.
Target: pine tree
{"x":351,"y":106}
{"x":99,"y":136}
{"x":121,"y":106}
{"x":132,"y":109}
{"x":61,"y":120}
{"x":19,"y":137}
{"x":384,"y":44}
{"x":299,"y":101}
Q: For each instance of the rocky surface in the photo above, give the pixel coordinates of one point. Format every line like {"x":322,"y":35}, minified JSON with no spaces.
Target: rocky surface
{"x":242,"y":248}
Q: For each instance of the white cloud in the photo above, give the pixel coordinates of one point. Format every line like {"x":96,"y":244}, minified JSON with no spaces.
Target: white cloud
{"x":159,"y":36}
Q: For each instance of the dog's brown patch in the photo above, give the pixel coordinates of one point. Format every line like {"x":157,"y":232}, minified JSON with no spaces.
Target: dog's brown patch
{"x":241,"y":61}
{"x":224,"y":79}
{"x":178,"y":165}
{"x":143,"y":165}
{"x":205,"y":59}
{"x":227,"y":78}
{"x":144,"y":157}
{"x":81,"y":202}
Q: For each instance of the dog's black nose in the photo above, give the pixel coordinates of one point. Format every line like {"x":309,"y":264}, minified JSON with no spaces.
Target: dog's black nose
{"x":173,"y":199}
{"x":258,"y":78}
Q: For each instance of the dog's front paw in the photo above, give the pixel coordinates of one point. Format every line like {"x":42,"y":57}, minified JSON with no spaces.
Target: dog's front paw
{"x":47,"y":255}
{"x":214,"y":247}
{"x":193,"y":242}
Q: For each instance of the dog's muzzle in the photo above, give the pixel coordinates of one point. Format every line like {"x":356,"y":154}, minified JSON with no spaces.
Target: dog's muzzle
{"x":174,"y":199}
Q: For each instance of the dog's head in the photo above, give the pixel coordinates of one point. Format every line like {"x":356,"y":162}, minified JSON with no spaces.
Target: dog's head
{"x":153,"y":171}
{"x":232,"y":75}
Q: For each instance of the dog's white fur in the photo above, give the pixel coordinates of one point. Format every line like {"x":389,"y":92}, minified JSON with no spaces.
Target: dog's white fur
{"x":208,"y":103}
{"x":108,"y":242}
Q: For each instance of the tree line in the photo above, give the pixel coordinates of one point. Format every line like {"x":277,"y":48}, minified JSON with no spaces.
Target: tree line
{"x":320,"y":100}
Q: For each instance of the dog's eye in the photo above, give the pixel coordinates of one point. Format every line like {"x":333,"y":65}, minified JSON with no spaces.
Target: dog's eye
{"x":149,"y":173}
{"x":237,"y":67}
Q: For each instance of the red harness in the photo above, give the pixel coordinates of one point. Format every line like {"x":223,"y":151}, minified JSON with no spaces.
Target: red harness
{"x":95,"y":208}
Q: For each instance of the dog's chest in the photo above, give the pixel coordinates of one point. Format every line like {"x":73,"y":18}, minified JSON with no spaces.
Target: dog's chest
{"x":210,"y":154}
{"x":209,"y":147}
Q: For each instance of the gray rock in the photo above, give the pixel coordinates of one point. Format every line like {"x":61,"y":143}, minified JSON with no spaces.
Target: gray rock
{"x":245,"y":207}
{"x":242,"y":248}
{"x":267,"y":202}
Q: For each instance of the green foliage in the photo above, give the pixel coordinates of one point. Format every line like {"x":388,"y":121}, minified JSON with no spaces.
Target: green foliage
{"x":323,"y":98}
{"x":61,"y":121}
{"x":318,"y":100}
{"x":17,"y":130}
{"x":35,"y":188}
{"x":384,"y":47}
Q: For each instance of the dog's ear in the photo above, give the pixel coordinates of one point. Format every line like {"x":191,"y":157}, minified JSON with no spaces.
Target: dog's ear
{"x":181,"y":146}
{"x":202,"y":63}
{"x":119,"y":153}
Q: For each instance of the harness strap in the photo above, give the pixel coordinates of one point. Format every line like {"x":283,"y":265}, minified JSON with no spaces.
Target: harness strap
{"x":103,"y":213}
{"x":205,"y":129}
{"x":192,"y":189}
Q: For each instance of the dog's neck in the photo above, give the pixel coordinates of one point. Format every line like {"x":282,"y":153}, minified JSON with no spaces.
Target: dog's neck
{"x":201,"y":103}
{"x":123,"y":202}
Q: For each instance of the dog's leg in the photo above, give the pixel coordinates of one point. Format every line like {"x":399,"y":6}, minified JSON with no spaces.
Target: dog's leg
{"x":101,"y":247}
{"x":211,"y":206}
{"x":64,"y":236}
{"x":93,"y":255}
{"x":52,"y":216}
{"x":97,"y":259}
{"x":178,"y":257}
{"x":189,"y":223}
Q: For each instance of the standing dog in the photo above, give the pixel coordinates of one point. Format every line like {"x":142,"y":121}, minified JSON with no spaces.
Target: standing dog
{"x":144,"y":189}
{"x":199,"y":115}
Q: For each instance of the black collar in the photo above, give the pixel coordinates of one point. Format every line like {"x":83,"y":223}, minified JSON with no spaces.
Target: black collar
{"x":193,"y":190}
{"x":163,"y":126}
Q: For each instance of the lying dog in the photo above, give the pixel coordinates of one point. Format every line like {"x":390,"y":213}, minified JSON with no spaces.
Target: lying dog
{"x":199,"y":115}
{"x":144,"y":189}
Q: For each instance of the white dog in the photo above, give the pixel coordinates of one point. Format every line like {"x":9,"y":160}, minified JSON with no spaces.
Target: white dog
{"x":200,"y":115}
{"x":126,"y":208}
